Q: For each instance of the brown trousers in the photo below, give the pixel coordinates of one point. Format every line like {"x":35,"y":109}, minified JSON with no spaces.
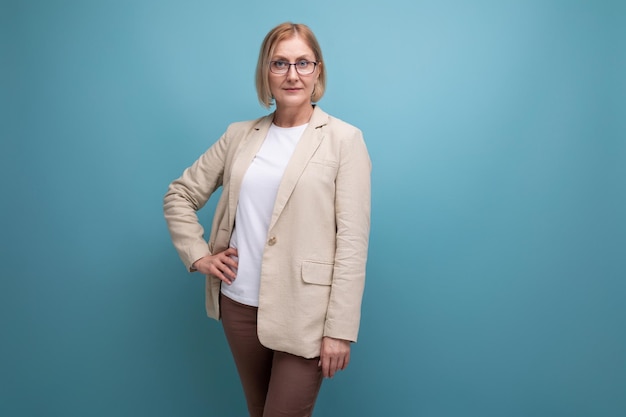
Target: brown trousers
{"x":276,"y":384}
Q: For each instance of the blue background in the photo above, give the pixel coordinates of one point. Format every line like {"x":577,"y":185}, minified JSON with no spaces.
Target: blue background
{"x":497,"y":270}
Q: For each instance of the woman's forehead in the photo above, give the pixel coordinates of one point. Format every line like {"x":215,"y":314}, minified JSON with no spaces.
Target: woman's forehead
{"x":292,"y":47}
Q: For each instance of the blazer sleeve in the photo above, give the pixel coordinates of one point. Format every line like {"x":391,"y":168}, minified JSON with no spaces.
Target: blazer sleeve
{"x":188,"y":194}
{"x":352,"y":211}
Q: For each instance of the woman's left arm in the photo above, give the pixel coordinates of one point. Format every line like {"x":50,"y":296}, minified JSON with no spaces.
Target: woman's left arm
{"x":352,"y":212}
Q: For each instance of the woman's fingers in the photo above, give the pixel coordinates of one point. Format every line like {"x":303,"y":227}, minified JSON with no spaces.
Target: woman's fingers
{"x":334,"y":356}
{"x":221,"y":265}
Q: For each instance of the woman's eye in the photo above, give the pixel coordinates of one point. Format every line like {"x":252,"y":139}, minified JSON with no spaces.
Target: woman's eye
{"x":280,"y":64}
{"x":303,"y":64}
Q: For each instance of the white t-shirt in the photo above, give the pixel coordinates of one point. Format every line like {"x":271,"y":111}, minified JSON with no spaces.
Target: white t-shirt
{"x":254,"y":210}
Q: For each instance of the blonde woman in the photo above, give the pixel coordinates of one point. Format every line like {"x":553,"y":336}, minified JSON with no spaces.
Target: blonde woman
{"x":285,"y":260}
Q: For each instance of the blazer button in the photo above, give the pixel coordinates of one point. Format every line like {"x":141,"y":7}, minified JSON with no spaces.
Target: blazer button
{"x":272,"y":241}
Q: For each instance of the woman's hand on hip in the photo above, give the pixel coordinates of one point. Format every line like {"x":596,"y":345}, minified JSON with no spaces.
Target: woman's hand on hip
{"x":221,"y":265}
{"x":334,"y":355}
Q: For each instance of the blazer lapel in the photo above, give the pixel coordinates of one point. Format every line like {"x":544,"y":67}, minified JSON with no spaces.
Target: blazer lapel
{"x":306,"y":147}
{"x":244,"y":155}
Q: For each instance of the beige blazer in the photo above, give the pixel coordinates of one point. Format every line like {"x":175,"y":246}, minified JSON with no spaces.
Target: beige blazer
{"x":313,"y":267}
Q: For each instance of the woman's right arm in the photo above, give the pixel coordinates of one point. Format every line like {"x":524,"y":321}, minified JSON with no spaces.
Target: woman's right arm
{"x":188,"y":194}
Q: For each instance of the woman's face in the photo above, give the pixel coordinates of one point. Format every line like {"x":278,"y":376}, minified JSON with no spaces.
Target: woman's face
{"x":292,"y":89}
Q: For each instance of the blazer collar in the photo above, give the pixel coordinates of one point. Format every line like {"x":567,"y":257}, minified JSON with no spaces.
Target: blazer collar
{"x":248,"y":148}
{"x":318,"y":119}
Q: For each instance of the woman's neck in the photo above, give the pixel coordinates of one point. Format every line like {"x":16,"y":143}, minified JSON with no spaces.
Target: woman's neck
{"x":290,"y":117}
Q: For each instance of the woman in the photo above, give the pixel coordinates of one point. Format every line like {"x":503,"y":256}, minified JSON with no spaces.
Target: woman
{"x":285,"y":260}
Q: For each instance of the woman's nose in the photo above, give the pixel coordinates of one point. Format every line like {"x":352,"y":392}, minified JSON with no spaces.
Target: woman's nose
{"x":292,"y":73}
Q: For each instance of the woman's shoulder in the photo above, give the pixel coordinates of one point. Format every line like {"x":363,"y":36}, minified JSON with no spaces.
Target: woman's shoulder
{"x":332,"y":123}
{"x":340,"y":124}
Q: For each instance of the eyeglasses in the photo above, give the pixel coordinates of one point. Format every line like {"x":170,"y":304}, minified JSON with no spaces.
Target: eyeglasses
{"x":303,"y":67}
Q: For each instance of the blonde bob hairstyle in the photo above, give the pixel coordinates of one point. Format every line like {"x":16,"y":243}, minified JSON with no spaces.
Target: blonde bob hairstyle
{"x":281,"y":32}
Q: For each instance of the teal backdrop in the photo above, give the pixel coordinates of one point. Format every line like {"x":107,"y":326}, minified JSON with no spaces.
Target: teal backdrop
{"x":497,"y":271}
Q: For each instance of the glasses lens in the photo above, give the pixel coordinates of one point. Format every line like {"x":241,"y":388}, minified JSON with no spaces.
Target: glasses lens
{"x":279,"y":67}
{"x":305,"y":67}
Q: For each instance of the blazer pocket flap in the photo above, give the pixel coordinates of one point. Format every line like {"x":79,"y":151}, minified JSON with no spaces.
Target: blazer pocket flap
{"x":326,"y":162}
{"x":319,"y":273}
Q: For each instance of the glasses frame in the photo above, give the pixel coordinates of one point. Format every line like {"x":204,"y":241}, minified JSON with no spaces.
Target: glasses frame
{"x":289,"y":64}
